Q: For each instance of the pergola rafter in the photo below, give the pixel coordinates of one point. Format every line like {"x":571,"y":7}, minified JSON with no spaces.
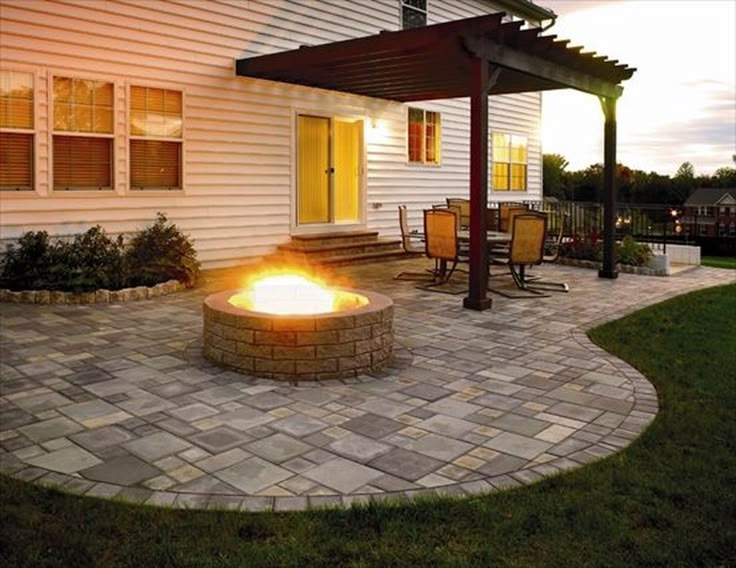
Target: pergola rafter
{"x":475,"y":58}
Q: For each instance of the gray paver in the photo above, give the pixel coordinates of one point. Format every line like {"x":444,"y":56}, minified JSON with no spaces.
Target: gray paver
{"x":406,"y":464}
{"x":101,"y":438}
{"x":125,"y":470}
{"x":50,"y":429}
{"x":219,"y":439}
{"x":156,"y":446}
{"x":342,"y":475}
{"x":517,"y":445}
{"x":299,"y":425}
{"x":372,"y":426}
{"x":66,"y":460}
{"x":253,"y":475}
{"x":278,"y":448}
{"x":440,"y":447}
{"x":359,"y":448}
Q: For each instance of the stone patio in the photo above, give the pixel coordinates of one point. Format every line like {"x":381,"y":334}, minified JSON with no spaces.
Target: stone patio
{"x":117,"y":400}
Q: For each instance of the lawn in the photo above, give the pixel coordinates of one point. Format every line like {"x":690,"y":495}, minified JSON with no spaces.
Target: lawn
{"x":667,"y":500}
{"x":719,"y":261}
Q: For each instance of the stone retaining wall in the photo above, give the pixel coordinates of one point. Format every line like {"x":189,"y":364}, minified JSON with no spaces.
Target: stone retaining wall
{"x":96,"y":297}
{"x":626,"y":268}
{"x":296,"y":348}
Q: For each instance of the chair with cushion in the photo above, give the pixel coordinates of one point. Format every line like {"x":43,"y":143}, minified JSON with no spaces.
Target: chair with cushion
{"x":506,"y":212}
{"x":408,"y":238}
{"x":464,"y":208}
{"x":441,"y":242}
{"x":528,"y":232}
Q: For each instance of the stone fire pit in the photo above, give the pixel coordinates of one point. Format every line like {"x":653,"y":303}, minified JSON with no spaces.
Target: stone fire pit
{"x":334,"y":345}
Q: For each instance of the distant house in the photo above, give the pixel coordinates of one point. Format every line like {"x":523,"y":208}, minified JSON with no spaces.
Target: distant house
{"x":110,"y":112}
{"x":711,"y":212}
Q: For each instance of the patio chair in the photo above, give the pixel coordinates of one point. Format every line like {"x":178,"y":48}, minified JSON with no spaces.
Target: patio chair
{"x":506,"y":212}
{"x":441,"y":243}
{"x":407,"y":236}
{"x":526,"y":249}
{"x":464,"y":207}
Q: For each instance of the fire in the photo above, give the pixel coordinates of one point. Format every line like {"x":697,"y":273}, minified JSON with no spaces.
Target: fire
{"x":294,"y":294}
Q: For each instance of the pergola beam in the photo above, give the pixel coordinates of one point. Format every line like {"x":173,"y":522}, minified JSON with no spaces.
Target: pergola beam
{"x":539,"y":67}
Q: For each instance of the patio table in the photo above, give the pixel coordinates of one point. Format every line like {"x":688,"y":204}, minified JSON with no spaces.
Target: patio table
{"x":493,"y":238}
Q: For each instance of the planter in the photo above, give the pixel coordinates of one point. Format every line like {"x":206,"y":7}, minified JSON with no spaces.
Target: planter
{"x":625,"y":268}
{"x":96,"y":297}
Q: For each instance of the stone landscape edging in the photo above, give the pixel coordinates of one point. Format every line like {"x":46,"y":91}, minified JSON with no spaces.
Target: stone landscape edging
{"x":627,"y":268}
{"x":103,"y":296}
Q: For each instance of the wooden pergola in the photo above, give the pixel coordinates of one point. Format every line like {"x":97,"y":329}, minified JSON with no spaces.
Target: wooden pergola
{"x":475,"y":58}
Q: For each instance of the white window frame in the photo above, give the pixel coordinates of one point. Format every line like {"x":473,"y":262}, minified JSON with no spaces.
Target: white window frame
{"x":404,"y":4}
{"x":33,"y":191}
{"x":424,"y":162}
{"x":129,"y":190}
{"x":112,"y":190}
{"x":509,"y":191}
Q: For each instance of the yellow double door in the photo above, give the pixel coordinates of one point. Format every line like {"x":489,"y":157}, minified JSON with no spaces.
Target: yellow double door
{"x":329,"y":166}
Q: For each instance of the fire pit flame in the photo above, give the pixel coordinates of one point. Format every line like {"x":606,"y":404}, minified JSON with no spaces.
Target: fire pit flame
{"x":294,"y":294}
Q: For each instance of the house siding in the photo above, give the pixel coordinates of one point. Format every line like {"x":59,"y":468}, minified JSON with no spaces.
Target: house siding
{"x":239,"y":133}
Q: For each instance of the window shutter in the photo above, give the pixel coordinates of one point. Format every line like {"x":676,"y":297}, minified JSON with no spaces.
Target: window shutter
{"x":82,"y":163}
{"x":16,"y":161}
{"x":155,"y":164}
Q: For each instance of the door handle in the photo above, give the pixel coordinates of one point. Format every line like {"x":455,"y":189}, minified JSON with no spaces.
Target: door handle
{"x":330,"y":171}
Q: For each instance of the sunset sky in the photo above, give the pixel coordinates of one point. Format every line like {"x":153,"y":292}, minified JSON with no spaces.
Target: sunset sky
{"x":679,"y":106}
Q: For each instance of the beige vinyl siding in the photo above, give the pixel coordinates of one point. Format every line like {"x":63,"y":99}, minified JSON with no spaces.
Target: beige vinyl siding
{"x":239,"y":138}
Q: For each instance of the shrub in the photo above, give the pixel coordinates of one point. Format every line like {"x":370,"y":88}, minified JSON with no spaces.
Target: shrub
{"x":159,"y":253}
{"x":584,"y":247}
{"x":633,"y":253}
{"x":93,"y":260}
{"x":26,"y":265}
{"x":590,"y":247}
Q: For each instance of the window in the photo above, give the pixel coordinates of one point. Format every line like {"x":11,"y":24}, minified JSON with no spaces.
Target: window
{"x":16,"y":131}
{"x":413,"y":13}
{"x":83,"y":134}
{"x":423,"y":136}
{"x":155,"y":138}
{"x":722,"y":230}
{"x":732,"y":230}
{"x":509,"y":162}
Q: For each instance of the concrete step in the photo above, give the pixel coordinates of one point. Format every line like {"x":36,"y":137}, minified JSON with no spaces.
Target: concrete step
{"x":333,"y":239}
{"x":341,"y":249}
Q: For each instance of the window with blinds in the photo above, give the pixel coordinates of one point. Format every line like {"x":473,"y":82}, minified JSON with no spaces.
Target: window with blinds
{"x":155,"y":138}
{"x":83,"y":134}
{"x":423,"y":136}
{"x":16,"y":131}
{"x":509,"y":172}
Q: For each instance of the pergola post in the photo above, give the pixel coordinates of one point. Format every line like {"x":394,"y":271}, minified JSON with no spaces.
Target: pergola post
{"x":478,"y":278}
{"x":609,"y":189}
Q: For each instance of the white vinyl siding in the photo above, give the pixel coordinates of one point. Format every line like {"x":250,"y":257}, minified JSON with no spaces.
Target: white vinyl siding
{"x":238,"y":146}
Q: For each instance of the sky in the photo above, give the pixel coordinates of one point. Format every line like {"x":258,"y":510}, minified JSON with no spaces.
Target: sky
{"x":679,"y":106}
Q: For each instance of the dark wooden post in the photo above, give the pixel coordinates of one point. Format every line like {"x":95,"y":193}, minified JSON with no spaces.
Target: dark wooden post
{"x":478,"y":278}
{"x":609,"y":189}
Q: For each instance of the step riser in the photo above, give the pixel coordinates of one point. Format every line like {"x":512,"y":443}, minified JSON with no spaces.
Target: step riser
{"x":316,"y":243}
{"x":320,"y":254}
{"x":322,"y":240}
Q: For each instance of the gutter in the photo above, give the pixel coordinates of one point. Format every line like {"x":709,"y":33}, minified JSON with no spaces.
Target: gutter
{"x":530,"y":10}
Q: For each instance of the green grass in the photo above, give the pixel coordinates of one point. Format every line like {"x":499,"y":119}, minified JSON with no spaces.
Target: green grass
{"x":667,"y":500}
{"x":719,"y":261}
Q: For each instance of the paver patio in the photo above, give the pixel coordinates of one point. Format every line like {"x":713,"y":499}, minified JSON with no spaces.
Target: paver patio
{"x":116,"y":400}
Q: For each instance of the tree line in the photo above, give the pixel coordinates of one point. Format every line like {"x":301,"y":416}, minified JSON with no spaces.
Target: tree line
{"x":634,"y":186}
